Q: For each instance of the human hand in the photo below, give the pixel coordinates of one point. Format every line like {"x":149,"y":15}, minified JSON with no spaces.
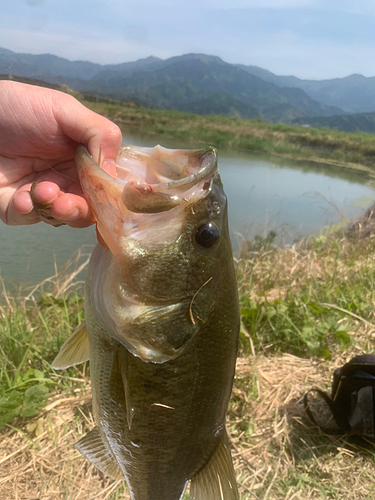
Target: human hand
{"x":39,"y":131}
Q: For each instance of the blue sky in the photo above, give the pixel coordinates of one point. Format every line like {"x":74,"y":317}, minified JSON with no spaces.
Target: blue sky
{"x":307,"y":38}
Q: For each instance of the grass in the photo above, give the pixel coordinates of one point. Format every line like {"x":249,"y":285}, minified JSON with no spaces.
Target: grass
{"x":306,"y":310}
{"x":311,"y":312}
{"x":32,"y":329}
{"x":356,"y":150}
{"x":320,"y":145}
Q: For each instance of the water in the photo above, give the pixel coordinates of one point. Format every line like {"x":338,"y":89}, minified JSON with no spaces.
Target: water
{"x":264,"y":194}
{"x":292,"y":199}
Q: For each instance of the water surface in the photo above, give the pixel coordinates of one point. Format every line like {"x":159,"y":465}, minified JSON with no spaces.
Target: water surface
{"x":264,"y":194}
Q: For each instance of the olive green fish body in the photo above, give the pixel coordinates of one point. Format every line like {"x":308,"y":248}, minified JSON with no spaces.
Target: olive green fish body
{"x":177,"y":414}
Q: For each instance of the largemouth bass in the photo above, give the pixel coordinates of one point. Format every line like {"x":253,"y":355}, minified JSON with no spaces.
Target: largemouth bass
{"x":162,"y":322}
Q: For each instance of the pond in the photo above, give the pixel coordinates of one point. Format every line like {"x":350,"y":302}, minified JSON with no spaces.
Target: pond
{"x":264,"y":194}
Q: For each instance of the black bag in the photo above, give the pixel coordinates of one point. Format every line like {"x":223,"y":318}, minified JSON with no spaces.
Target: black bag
{"x":352,"y":401}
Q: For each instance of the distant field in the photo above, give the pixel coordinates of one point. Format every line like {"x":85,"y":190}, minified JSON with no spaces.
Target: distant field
{"x":356,"y":150}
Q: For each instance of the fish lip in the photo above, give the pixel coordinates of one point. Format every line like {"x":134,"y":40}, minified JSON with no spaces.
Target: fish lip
{"x":209,"y":165}
{"x":208,"y":160}
{"x":185,"y":176}
{"x":86,"y":164}
{"x":140,"y":196}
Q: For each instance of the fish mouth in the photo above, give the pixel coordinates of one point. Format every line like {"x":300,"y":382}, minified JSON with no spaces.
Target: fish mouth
{"x":149,"y":183}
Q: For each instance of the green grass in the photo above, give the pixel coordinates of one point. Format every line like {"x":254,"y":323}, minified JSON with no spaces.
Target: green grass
{"x":305,"y":311}
{"x":319,"y":145}
{"x":356,"y":150}
{"x":314,"y":310}
{"x":32,"y":330}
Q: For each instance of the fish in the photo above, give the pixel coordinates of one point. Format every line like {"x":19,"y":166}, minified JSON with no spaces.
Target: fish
{"x":161,"y":324}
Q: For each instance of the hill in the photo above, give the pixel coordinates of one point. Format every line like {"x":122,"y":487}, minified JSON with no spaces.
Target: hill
{"x":356,"y":151}
{"x":193,"y":82}
{"x":353,"y":94}
{"x":364,"y":122}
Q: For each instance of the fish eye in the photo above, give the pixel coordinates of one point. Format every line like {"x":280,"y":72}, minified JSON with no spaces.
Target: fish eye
{"x":207,"y":235}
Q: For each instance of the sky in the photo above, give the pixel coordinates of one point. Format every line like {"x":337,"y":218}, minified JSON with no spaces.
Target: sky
{"x":314,"y":39}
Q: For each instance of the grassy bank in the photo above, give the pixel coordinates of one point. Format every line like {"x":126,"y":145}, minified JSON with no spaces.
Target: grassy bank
{"x":305,"y":311}
{"x":323,"y":145}
{"x":355,"y":150}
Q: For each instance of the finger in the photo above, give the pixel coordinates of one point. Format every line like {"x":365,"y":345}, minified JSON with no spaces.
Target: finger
{"x":72,"y":210}
{"x":55,"y":206}
{"x":21,"y":210}
{"x":44,"y":194}
{"x":61,"y":173}
{"x":84,"y":126}
{"x":109,"y":166}
{"x":104,"y":139}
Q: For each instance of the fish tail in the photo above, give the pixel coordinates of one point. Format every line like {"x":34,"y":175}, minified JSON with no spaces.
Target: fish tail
{"x":217,"y":480}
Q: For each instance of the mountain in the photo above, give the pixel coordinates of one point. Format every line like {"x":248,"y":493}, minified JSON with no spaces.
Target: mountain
{"x":359,"y":122}
{"x":267,"y":76}
{"x":353,"y":94}
{"x":191,"y":78}
{"x":220,"y":103}
{"x":193,"y":82}
{"x":44,"y":66}
{"x":47,"y":65}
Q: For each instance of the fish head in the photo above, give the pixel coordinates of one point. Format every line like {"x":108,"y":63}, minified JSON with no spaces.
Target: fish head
{"x":164,"y":219}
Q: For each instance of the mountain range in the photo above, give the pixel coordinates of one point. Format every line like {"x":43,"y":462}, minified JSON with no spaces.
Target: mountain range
{"x":205,"y":84}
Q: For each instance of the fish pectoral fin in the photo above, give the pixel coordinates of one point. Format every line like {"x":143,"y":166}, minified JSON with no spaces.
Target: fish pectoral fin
{"x":124,"y":375}
{"x":217,"y":481}
{"x":97,"y":452}
{"x":75,"y":349}
{"x":119,"y":389}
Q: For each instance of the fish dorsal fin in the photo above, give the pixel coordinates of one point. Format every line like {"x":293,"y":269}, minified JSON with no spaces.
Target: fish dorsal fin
{"x":75,"y":349}
{"x":217,"y":481}
{"x":97,"y":452}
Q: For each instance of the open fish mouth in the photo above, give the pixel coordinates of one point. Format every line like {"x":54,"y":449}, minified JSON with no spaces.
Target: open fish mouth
{"x":160,"y":179}
{"x":149,"y":181}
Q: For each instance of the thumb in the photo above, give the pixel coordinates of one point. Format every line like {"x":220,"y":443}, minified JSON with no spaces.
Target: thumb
{"x":101,"y":136}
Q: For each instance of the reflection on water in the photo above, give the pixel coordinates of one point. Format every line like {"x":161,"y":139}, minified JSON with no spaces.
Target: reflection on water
{"x":264,"y":194}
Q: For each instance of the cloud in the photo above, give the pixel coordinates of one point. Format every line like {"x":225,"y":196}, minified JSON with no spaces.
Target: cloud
{"x":197,"y":5}
{"x":92,"y":47}
{"x":307,"y":38}
{"x":33,"y":3}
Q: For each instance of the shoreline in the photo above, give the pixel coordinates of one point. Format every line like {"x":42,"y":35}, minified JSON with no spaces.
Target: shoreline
{"x":353,"y":151}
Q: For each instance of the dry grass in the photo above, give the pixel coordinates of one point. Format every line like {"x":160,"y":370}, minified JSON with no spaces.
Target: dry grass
{"x":278,"y":453}
{"x":48,"y":466}
{"x":287,"y":295}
